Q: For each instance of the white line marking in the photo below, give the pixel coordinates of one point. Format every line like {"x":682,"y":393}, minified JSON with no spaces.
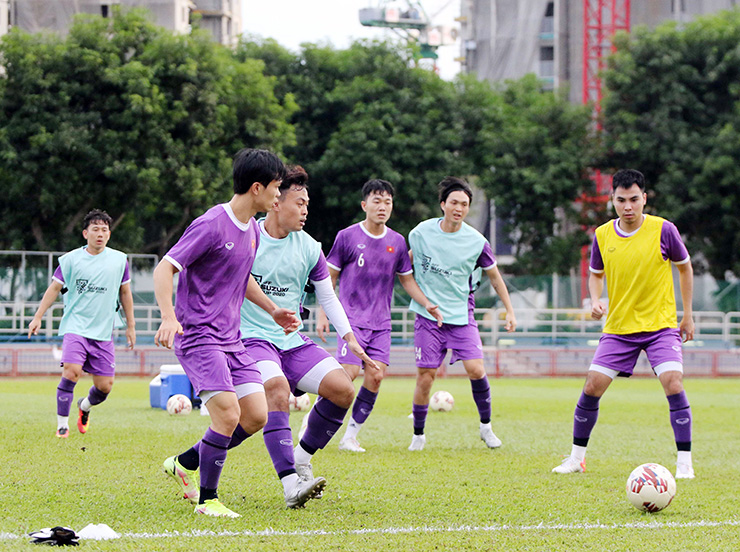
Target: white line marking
{"x":423,"y":529}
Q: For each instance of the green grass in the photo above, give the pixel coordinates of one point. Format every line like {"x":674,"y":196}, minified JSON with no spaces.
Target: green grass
{"x":455,"y":495}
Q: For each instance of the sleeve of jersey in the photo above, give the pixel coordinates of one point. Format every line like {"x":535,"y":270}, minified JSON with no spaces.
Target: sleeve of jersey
{"x":331,"y":305}
{"x":403,"y":266}
{"x":194,"y":242}
{"x":320,"y":271}
{"x":126,"y":275}
{"x":58,"y":276}
{"x":334,"y":259}
{"x":486,"y":260}
{"x":597,"y":263}
{"x":671,"y":244}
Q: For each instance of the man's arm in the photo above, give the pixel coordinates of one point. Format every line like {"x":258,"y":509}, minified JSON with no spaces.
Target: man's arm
{"x":322,"y":322}
{"x":285,"y":318}
{"x":412,"y":288}
{"x":595,"y":289}
{"x":163,"y":287}
{"x":686,"y":281}
{"x":127,"y":302}
{"x":50,"y":295}
{"x":499,"y":286}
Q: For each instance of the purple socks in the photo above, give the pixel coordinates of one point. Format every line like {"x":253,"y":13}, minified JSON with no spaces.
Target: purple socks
{"x":65,"y":396}
{"x":419,"y":411}
{"x":96,"y":396}
{"x":482,"y":398}
{"x":213,"y":448}
{"x":279,"y":442}
{"x":324,"y":421}
{"x":584,"y":419}
{"x":363,"y":405}
{"x":680,"y":420}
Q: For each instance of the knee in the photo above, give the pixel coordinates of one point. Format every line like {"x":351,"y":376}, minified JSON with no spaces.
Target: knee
{"x":277,"y":393}
{"x":254,"y":421}
{"x":425,"y":380}
{"x":373,"y":381}
{"x":344,"y":396}
{"x":105,"y":387}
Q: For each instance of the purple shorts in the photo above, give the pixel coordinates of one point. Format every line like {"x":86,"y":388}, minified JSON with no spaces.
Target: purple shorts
{"x":96,"y":357}
{"x":294,"y":363}
{"x":216,"y":370}
{"x":431,"y":342}
{"x":376,"y":343}
{"x":620,"y":352}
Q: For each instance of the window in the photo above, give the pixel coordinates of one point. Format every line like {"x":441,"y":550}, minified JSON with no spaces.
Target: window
{"x":105,"y":10}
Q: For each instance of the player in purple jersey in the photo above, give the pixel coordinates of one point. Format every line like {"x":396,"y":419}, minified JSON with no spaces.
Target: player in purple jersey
{"x":289,"y":259}
{"x":446,"y":253}
{"x":634,"y":253}
{"x":214,"y":258}
{"x":369,"y":255}
{"x":80,"y":352}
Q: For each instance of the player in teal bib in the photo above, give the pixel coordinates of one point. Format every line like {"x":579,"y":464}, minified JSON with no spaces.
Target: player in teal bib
{"x":93,"y":279}
{"x":447,"y":255}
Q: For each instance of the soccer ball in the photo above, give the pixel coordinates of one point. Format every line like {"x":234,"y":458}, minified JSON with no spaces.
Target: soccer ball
{"x":442,"y":401}
{"x":179,"y":405}
{"x":299,"y":404}
{"x":651,"y":487}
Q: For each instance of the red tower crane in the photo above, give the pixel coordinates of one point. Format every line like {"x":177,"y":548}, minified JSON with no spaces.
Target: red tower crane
{"x":601,"y":20}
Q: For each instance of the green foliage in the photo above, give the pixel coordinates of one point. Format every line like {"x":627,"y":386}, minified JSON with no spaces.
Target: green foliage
{"x":125,"y":116}
{"x":364,"y":113}
{"x":529,"y":151}
{"x":456,"y":494}
{"x":673,"y":112}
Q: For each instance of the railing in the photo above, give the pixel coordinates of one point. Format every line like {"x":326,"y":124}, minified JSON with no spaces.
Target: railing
{"x":536,"y":327}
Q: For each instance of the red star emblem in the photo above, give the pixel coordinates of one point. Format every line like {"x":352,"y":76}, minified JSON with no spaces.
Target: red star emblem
{"x":390,"y":249}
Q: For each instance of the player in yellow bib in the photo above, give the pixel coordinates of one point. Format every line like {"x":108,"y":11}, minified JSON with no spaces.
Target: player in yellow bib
{"x":634,"y":252}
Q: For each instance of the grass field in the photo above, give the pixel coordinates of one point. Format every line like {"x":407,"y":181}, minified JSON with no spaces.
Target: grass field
{"x":454,"y":495}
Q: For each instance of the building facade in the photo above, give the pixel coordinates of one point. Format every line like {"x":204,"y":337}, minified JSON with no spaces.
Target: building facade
{"x":221,"y":17}
{"x":506,"y":39}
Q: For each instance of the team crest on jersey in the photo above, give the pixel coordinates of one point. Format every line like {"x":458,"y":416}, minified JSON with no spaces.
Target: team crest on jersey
{"x":229,"y":245}
{"x":254,"y":244}
{"x":83,"y":285}
{"x":361,"y":245}
{"x":390,"y":249}
{"x":428,"y":266}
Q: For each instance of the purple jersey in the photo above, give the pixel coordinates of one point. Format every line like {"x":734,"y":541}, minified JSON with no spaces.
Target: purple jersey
{"x":671,"y":246}
{"x":215,"y":257}
{"x":369,"y":265}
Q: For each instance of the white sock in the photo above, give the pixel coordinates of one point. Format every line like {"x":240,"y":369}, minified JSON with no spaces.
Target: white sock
{"x":301,"y":456}
{"x":578,"y":452}
{"x":353,"y":428}
{"x":62,"y":422}
{"x":484,"y":426}
{"x":289,"y":481}
{"x":684,"y":457}
{"x":85,"y":405}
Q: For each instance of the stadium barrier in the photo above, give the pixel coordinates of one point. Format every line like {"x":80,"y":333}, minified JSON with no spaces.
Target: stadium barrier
{"x":37,"y":360}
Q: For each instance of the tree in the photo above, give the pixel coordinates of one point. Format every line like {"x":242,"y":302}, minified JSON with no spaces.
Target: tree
{"x":125,"y":116}
{"x":672,"y":111}
{"x":530,"y":151}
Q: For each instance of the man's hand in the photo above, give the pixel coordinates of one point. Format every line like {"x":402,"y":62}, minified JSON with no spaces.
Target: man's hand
{"x":33,"y":327}
{"x":354,"y":346}
{"x":322,"y":325}
{"x":165,"y":335}
{"x":686,"y":327}
{"x":286,"y":319}
{"x":598,"y":309}
{"x":130,"y":337}
{"x":435,"y":312}
{"x":510,"y":325}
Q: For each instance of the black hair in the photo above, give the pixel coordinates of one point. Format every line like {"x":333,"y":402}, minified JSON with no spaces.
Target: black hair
{"x":625,"y":178}
{"x":377,"y":186}
{"x":295,"y":175}
{"x":96,"y":215}
{"x":451,"y":184}
{"x":254,"y":165}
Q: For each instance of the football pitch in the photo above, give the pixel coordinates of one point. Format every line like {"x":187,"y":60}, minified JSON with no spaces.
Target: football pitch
{"x":455,"y":495}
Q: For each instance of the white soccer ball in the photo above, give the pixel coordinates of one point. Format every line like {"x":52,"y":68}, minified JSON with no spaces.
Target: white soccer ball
{"x":179,"y":405}
{"x":442,"y":401}
{"x":651,"y":487}
{"x":299,"y":404}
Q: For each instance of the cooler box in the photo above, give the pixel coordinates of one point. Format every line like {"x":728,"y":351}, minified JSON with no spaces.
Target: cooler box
{"x":170,"y":381}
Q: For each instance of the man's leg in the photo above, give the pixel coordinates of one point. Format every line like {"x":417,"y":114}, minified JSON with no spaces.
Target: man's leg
{"x":99,"y":391}
{"x":364,"y":403}
{"x":681,"y":420}
{"x":65,"y":395}
{"x":482,"y":397}
{"x":420,"y":408}
{"x":584,"y":418}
